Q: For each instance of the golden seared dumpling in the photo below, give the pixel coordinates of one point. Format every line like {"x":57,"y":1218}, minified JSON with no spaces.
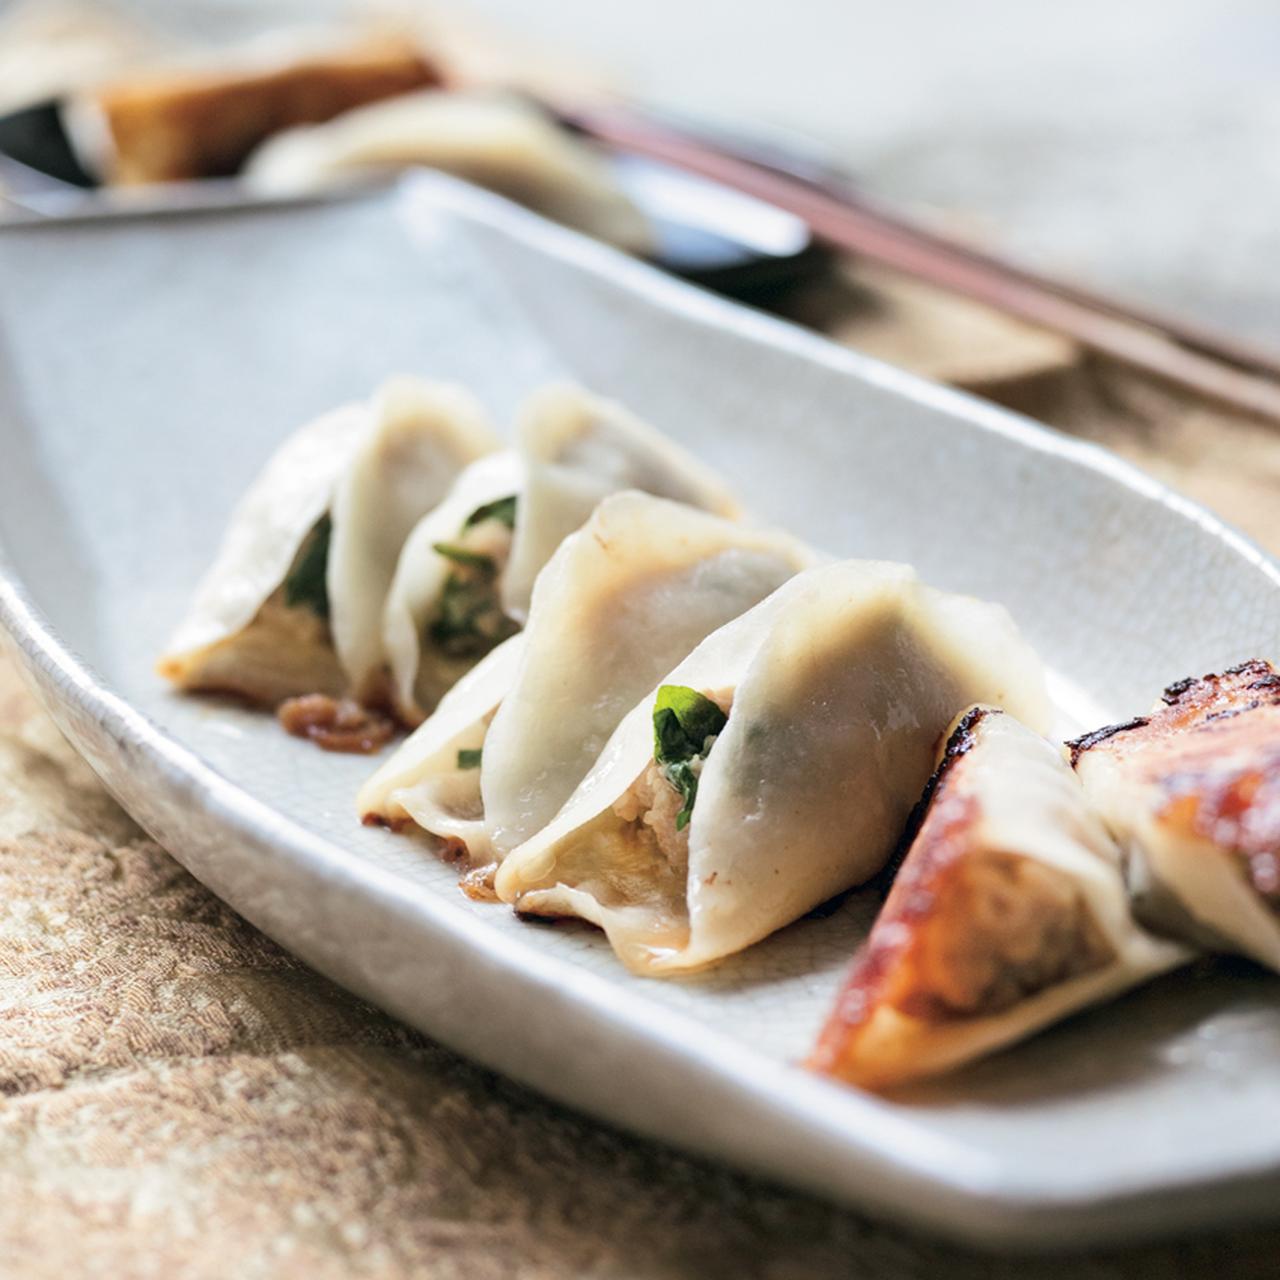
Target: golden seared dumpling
{"x":1192,"y":793}
{"x":1009,"y":912}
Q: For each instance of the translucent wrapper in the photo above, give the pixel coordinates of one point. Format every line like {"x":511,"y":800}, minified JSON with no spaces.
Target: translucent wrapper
{"x":494,"y":140}
{"x":838,"y":689}
{"x":572,"y":449}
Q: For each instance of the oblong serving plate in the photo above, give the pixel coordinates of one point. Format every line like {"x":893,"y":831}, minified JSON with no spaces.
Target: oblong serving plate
{"x":148,"y":364}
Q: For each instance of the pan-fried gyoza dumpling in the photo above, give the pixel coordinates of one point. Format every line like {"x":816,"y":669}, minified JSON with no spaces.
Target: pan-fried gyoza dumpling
{"x":774,"y":767}
{"x":1192,"y":793}
{"x":578,"y":448}
{"x":293,"y":603}
{"x":466,"y":573}
{"x":495,"y":140}
{"x":1009,"y":913}
{"x":622,"y":600}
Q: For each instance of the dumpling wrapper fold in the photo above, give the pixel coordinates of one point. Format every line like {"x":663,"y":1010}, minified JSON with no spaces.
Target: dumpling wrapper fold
{"x":1008,"y":913}
{"x":622,"y":600}
{"x":424,"y":783}
{"x":838,"y":689}
{"x":202,"y":117}
{"x":1192,"y":793}
{"x":374,"y":468}
{"x":578,"y":448}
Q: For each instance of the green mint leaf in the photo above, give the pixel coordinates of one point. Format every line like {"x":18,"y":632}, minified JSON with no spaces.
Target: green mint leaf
{"x":684,"y":723}
{"x":469,"y":758}
{"x":683,"y":720}
{"x":685,"y":780}
{"x":305,"y":584}
{"x":503,"y":510}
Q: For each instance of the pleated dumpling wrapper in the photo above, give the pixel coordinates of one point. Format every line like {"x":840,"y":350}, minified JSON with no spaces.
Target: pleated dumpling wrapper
{"x":774,"y":767}
{"x":495,"y":140}
{"x":1009,"y":913}
{"x":578,"y":448}
{"x":466,"y":574}
{"x":621,"y":602}
{"x":293,"y":602}
{"x":1192,"y":793}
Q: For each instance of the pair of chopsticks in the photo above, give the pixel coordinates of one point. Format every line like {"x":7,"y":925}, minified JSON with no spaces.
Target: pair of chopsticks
{"x":1212,"y":365}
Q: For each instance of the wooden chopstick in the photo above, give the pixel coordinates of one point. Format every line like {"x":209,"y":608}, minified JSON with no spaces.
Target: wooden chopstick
{"x":1210,"y":364}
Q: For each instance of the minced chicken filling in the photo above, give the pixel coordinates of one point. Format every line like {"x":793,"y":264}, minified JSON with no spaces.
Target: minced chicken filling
{"x":1006,"y":928}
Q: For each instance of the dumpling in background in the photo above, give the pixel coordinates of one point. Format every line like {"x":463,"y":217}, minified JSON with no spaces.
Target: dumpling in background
{"x":1008,"y":913}
{"x":578,"y":448}
{"x":1192,"y":793}
{"x":494,"y":140}
{"x":466,"y":574}
{"x":202,"y":118}
{"x":622,"y":600}
{"x":293,"y":603}
{"x":775,"y":766}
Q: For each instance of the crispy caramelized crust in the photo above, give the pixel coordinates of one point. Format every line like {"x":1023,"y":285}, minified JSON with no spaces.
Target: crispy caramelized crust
{"x":968,"y":931}
{"x":477,"y":883}
{"x":181,"y":125}
{"x":960,"y":741}
{"x":1211,"y":756}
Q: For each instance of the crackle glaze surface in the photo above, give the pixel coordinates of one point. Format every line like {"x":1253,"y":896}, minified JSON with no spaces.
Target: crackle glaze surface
{"x":149,"y":365}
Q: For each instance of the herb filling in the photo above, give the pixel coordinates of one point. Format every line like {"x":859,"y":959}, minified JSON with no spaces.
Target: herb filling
{"x":685,"y":727}
{"x":469,"y":620}
{"x":305,"y":585}
{"x":503,"y":510}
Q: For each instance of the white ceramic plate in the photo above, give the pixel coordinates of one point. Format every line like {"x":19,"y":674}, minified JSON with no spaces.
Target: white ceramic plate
{"x":147,"y":367}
